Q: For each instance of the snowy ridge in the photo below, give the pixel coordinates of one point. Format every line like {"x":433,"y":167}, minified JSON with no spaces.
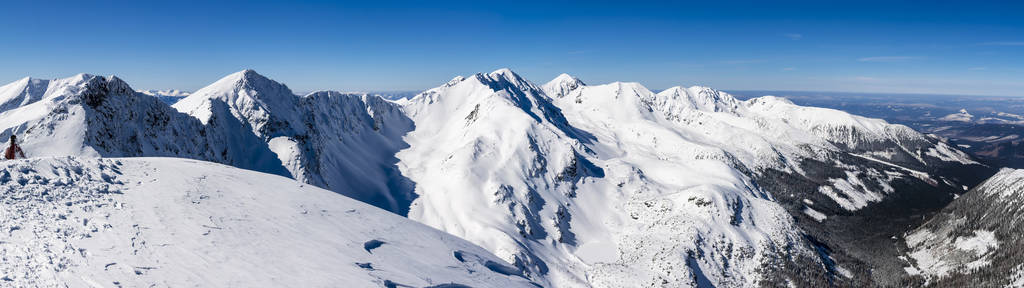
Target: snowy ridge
{"x":854,"y":132}
{"x":140,"y":222}
{"x":657,"y":137}
{"x":343,"y":142}
{"x":676,"y":99}
{"x":562,"y":201}
{"x":166,"y":93}
{"x":264,"y":103}
{"x":1008,"y":184}
{"x":975,"y":238}
{"x":496,"y":133}
{"x":22,"y":92}
{"x":102,"y":116}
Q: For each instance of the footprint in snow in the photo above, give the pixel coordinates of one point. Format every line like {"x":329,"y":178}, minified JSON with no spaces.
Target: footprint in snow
{"x":367,"y":265}
{"x":372,"y":244}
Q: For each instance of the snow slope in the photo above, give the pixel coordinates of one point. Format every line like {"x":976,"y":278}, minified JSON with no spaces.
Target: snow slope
{"x":496,"y":162}
{"x":976,"y":239}
{"x":342,"y":142}
{"x":815,"y":162}
{"x":339,"y":141}
{"x":143,"y":222}
{"x":91,"y":115}
{"x":614,"y":185}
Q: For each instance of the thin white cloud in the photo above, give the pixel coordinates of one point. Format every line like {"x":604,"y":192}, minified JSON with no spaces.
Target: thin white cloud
{"x":888,"y":58}
{"x":793,"y":36}
{"x":1003,"y":43}
{"x":788,"y":69}
{"x":742,"y":61}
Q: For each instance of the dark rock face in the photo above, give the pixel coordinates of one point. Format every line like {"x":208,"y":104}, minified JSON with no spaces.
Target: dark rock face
{"x":861,"y":241}
{"x":977,"y":237}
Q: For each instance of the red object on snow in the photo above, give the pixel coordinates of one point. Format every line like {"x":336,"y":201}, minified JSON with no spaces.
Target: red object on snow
{"x":13,"y":151}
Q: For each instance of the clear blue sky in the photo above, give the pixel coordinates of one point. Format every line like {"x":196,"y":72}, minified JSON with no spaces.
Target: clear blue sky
{"x":965,"y":47}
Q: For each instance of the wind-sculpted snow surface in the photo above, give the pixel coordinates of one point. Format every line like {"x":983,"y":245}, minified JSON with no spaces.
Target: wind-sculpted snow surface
{"x":145,"y":222}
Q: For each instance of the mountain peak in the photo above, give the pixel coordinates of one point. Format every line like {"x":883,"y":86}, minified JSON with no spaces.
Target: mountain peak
{"x":699,"y":98}
{"x":22,"y":80}
{"x":250,"y":73}
{"x":562,"y":85}
{"x":454,"y":81}
{"x":83,"y":76}
{"x":502,"y":79}
{"x":29,"y":90}
{"x":566,"y":78}
{"x":247,"y":75}
{"x":507,"y":75}
{"x":769,"y":100}
{"x":245,"y":80}
{"x":504,"y":72}
{"x":244,"y":90}
{"x":961,"y":116}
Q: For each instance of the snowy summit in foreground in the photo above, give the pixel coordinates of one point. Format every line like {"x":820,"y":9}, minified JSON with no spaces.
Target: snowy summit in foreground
{"x":140,"y":222}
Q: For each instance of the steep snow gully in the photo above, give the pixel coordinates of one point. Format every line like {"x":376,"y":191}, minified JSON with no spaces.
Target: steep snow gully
{"x":557,"y":185}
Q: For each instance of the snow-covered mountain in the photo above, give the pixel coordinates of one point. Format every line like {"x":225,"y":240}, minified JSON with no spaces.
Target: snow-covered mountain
{"x":339,"y":141}
{"x":576,"y":185}
{"x":961,"y":116}
{"x":829,"y":169}
{"x":975,"y":241}
{"x":496,"y":162}
{"x":88,"y":115}
{"x":579,"y":171}
{"x":167,"y":222}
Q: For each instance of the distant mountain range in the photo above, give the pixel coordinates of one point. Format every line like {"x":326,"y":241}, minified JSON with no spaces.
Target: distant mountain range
{"x":989,"y":128}
{"x":168,"y":96}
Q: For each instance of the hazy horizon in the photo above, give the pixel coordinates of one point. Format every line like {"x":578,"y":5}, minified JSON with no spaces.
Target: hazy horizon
{"x":864,"y":47}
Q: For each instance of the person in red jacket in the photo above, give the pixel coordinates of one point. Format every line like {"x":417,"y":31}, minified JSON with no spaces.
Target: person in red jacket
{"x":13,"y":150}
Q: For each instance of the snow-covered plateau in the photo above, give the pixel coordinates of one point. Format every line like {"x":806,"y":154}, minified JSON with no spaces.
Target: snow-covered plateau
{"x":571,"y":185}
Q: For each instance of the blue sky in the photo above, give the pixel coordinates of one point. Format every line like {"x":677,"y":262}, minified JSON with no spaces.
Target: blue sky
{"x":901,"y":47}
